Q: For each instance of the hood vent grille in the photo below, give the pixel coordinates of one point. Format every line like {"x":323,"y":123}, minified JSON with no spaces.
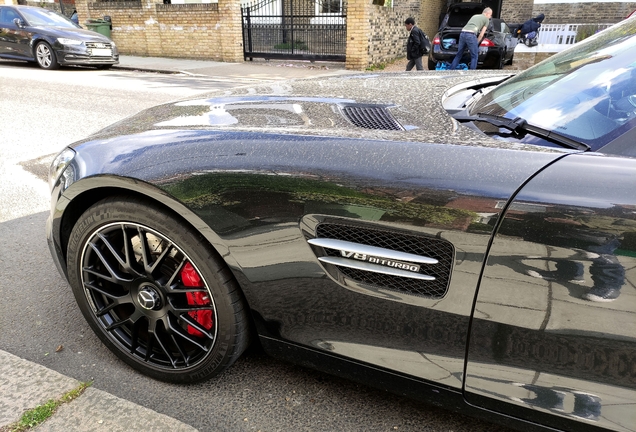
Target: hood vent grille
{"x":370,"y":116}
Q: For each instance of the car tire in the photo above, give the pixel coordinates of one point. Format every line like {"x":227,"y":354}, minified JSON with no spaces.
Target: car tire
{"x":509,"y":62}
{"x":45,"y":56}
{"x":432,"y":64}
{"x":154,"y":291}
{"x":501,"y":60}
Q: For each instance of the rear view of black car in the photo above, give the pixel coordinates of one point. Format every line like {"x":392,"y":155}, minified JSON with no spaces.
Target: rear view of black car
{"x":495,"y":49}
{"x":40,"y":35}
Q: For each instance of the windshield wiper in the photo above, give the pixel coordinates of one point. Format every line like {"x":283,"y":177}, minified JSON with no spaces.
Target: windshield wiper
{"x":521,"y":125}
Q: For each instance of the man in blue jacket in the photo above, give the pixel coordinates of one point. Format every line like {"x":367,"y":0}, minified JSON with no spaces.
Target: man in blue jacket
{"x":529,"y":30}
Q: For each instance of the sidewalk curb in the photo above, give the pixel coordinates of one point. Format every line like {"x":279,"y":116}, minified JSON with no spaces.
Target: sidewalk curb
{"x":25,"y":385}
{"x":141,"y":69}
{"x":97,"y":410}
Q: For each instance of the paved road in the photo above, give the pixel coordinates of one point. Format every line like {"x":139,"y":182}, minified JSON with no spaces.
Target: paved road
{"x":42,"y":111}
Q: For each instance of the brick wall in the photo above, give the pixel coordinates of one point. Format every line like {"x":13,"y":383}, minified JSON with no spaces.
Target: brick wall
{"x":193,"y":30}
{"x":583,"y":13}
{"x":429,"y":17}
{"x":358,"y":33}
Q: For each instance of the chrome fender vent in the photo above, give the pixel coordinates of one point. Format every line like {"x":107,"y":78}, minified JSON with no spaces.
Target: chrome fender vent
{"x":374,"y":259}
{"x":413,"y":264}
{"x":370,"y":116}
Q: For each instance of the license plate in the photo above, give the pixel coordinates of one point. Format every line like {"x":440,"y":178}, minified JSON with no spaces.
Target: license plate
{"x":102,"y":52}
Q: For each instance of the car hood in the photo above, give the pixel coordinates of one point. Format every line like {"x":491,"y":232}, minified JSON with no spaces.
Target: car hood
{"x":73,"y":33}
{"x":388,"y":106}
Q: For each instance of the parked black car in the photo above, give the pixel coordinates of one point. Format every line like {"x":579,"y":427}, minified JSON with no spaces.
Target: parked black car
{"x":40,"y":35}
{"x":475,"y":248}
{"x":496,"y":48}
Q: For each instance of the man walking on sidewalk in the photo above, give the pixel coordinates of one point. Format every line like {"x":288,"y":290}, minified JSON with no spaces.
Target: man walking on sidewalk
{"x":415,"y":46}
{"x":468,"y":38}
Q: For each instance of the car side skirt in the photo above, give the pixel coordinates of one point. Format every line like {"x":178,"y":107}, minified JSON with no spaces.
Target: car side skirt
{"x":424,"y":391}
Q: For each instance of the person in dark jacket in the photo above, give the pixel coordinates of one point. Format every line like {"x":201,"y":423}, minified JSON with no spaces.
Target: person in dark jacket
{"x":416,"y":45}
{"x":530,"y":28}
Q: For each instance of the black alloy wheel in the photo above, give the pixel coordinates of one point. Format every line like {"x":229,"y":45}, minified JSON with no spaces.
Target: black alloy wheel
{"x":155,"y":293}
{"x":45,"y":56}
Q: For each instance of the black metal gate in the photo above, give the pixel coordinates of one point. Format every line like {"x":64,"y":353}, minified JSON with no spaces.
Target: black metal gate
{"x":295,"y":29}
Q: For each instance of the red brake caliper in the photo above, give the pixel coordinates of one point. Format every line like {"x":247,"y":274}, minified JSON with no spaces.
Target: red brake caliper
{"x":191,"y":279}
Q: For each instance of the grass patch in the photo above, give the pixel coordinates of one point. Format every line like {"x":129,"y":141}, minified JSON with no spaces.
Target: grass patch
{"x":41,"y":413}
{"x":379,"y":66}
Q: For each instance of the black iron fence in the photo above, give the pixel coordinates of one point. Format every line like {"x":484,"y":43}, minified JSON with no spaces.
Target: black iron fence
{"x":295,"y":29}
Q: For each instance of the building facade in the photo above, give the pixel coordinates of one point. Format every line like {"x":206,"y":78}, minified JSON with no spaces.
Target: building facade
{"x":373,"y":30}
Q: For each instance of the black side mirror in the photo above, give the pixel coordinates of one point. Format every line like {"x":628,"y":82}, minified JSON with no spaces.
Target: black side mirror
{"x":19,"y":22}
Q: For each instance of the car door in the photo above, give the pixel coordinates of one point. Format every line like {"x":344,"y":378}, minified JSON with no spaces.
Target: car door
{"x":5,"y":22}
{"x":510,"y":40}
{"x":553,"y":332}
{"x":14,"y":40}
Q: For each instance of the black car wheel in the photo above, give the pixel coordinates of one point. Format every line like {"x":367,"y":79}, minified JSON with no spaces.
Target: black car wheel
{"x":509,"y":62}
{"x":154,"y":292}
{"x":432,"y":64}
{"x":45,"y":56}
{"x":501,"y":60}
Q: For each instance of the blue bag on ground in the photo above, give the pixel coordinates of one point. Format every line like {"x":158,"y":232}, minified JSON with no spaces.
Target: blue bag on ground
{"x":446,"y":66}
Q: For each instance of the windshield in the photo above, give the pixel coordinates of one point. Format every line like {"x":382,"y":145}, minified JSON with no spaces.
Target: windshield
{"x":43,"y":17}
{"x":587,"y":93}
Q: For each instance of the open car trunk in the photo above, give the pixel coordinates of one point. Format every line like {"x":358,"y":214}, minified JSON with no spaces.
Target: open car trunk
{"x":454,"y":21}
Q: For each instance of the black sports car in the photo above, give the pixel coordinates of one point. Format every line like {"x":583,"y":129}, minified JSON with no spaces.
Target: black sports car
{"x":475,"y":248}
{"x":496,"y":49}
{"x":40,"y":35}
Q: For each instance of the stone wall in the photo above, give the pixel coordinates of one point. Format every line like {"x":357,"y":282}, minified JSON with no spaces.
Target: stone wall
{"x":583,"y":13}
{"x":517,"y":11}
{"x":387,"y":34}
{"x":523,"y":60}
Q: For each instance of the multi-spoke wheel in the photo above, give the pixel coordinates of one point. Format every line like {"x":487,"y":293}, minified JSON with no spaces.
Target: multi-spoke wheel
{"x":154,"y":294}
{"x":45,"y":56}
